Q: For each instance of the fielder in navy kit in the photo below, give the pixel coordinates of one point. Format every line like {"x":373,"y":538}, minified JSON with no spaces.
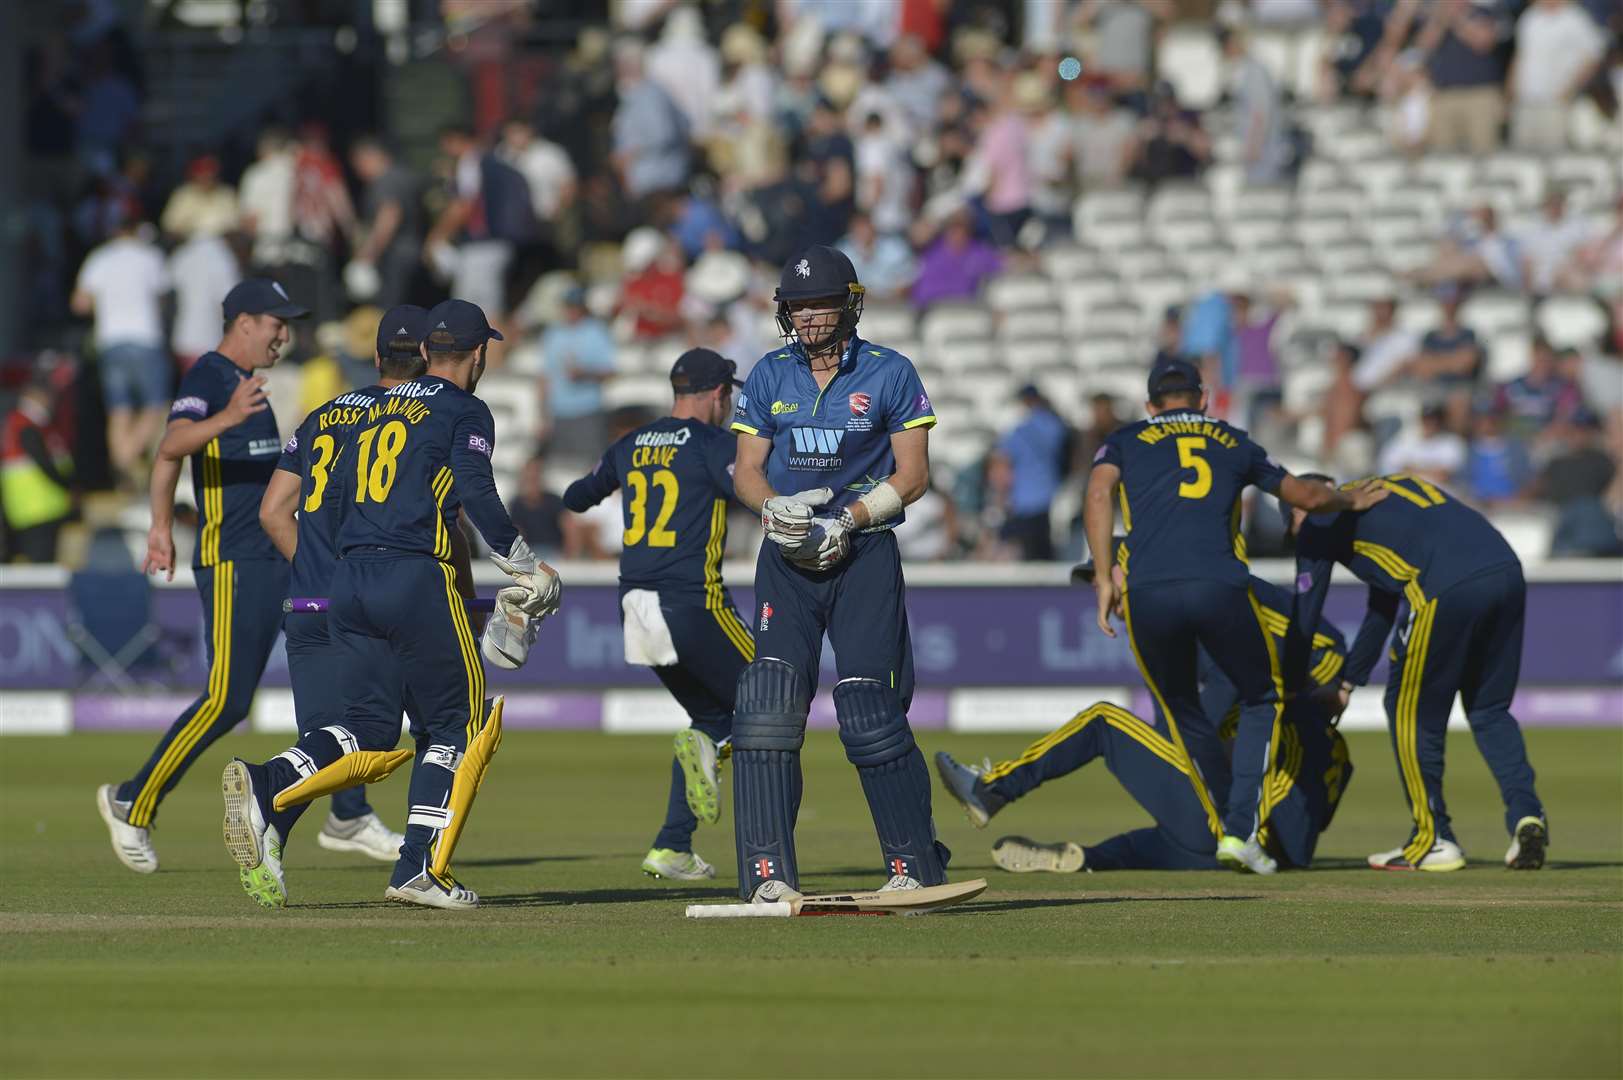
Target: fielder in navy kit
{"x":1180,"y":475}
{"x":1308,"y":779}
{"x":422,"y":452}
{"x":300,"y":513}
{"x":1438,"y":569}
{"x":221,"y":419}
{"x":832,"y":444}
{"x":677,"y":475}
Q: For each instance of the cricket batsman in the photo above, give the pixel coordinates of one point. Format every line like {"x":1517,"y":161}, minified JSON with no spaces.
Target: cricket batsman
{"x":833,"y":443}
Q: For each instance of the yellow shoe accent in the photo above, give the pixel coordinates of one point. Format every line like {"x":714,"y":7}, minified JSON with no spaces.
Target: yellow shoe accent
{"x":361,"y":767}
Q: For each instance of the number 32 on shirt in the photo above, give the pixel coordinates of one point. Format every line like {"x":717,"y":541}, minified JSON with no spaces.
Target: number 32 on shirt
{"x":637,"y":484}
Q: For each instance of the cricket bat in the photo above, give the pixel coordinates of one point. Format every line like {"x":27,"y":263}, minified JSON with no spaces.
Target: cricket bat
{"x":893,"y":902}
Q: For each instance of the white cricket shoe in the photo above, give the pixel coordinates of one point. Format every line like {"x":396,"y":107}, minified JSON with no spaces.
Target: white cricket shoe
{"x":773,"y":891}
{"x":1444,"y":856}
{"x":963,"y":782}
{"x":133,"y":846}
{"x":366,"y":835}
{"x":1245,"y":856}
{"x":1527,"y":846}
{"x":899,"y":883}
{"x":253,"y":844}
{"x":1018,"y":855}
{"x":428,"y":891}
{"x":677,"y":865}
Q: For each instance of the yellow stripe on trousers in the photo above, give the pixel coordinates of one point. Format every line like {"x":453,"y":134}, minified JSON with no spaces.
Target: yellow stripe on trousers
{"x":714,"y":600}
{"x":219,"y":685}
{"x":1195,"y":778}
{"x":470,"y":654}
{"x":1116,"y":717}
{"x":1406,"y":730}
{"x":1278,"y":678}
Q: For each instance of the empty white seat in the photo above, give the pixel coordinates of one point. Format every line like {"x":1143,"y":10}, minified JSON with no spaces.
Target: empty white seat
{"x":1528,"y":533}
{"x":1009,"y":292}
{"x":1325,"y":227}
{"x":1144,"y":261}
{"x":1064,"y":261}
{"x":1078,"y":295}
{"x":647,"y":390}
{"x":1094,"y":352}
{"x":1183,"y":233}
{"x":1592,"y":175}
{"x":1364,"y":284}
{"x":1451,"y":173}
{"x":1114,"y":235}
{"x":1489,"y":312}
{"x":950,"y":321}
{"x":1576,"y":321}
{"x":1523,"y":171}
{"x":1510,"y":355}
{"x":1420,"y":315}
{"x":1122,"y":319}
{"x":1259,"y":202}
{"x":1118,"y":204}
{"x":1343,"y":256}
{"x":1178,"y":202}
{"x":1026,"y":358}
{"x":1189,"y":59}
{"x":1032,"y":323}
{"x":965,"y":354}
{"x":887,"y":322}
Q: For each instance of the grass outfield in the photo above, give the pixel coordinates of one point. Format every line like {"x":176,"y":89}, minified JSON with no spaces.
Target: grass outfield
{"x":580,"y":966}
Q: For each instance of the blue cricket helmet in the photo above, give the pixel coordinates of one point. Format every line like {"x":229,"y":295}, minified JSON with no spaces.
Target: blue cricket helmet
{"x":816,"y":272}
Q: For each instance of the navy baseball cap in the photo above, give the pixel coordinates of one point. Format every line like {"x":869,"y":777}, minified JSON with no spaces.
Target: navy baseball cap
{"x":458,"y":326}
{"x":261,"y":296}
{"x":816,"y":272}
{"x":702,"y":369}
{"x":402,"y":329}
{"x":1171,"y":376}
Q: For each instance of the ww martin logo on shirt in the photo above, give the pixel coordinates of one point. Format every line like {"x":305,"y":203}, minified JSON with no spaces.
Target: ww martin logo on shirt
{"x":816,"y":448}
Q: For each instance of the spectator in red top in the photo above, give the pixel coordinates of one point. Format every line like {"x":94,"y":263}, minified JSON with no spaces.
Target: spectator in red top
{"x":321,"y":206}
{"x":652,"y":295}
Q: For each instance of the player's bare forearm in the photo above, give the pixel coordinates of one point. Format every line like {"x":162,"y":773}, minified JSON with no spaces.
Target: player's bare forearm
{"x":1099,"y":512}
{"x":749,"y":471}
{"x":912,"y":476}
{"x":278,"y":510}
{"x":161,"y":490}
{"x":1317,"y":498}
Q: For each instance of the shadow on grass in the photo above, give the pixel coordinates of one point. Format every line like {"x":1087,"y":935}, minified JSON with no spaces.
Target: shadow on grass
{"x":1017,"y":904}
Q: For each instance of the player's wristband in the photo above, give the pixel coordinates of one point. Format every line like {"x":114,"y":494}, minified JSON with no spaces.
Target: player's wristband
{"x":882,"y":503}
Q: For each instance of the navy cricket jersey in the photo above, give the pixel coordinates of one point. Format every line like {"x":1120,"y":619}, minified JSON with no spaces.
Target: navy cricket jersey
{"x":312,"y":455}
{"x":678,"y":479}
{"x":422,"y":450}
{"x":1417,"y":543}
{"x":230,"y":473}
{"x":837,"y":437}
{"x":1182,"y":474}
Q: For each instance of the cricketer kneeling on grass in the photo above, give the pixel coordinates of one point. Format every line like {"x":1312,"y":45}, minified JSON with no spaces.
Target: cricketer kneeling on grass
{"x":423,"y":452}
{"x":832,"y":444}
{"x":676,"y":613}
{"x":1308,"y":778}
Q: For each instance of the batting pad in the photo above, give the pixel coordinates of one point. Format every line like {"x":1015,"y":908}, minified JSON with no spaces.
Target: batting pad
{"x":470,"y":774}
{"x":360,"y":767}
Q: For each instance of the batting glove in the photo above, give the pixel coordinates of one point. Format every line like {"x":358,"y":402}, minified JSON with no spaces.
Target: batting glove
{"x":787,"y":519}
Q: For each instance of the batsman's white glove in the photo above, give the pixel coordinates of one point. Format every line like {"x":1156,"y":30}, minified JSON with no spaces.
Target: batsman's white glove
{"x":540,"y":583}
{"x":828,"y":543}
{"x":787,"y":519}
{"x":510,"y":630}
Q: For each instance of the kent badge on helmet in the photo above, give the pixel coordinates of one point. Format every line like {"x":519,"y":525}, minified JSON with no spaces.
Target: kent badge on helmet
{"x":815,"y":273}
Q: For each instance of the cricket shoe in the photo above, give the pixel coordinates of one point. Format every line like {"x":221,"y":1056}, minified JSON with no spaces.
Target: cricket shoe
{"x":1245,"y":856}
{"x":1445,"y":855}
{"x":773,"y":891}
{"x":901,"y":883}
{"x":429,"y":891}
{"x":1018,"y":855}
{"x":132,"y":845}
{"x":1527,"y":846}
{"x":964,"y":783}
{"x":676,"y":865}
{"x":256,"y":847}
{"x":701,"y":771}
{"x":366,"y":835}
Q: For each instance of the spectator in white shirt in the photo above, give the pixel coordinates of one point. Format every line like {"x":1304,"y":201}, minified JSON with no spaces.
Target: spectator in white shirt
{"x":686,"y":66}
{"x":1550,"y":248}
{"x":545,"y":165}
{"x":884,"y":176}
{"x":1432,"y":452}
{"x":122,"y":284}
{"x":1558,"y":48}
{"x":265,"y":200}
{"x":1386,"y":351}
{"x":203,"y":270}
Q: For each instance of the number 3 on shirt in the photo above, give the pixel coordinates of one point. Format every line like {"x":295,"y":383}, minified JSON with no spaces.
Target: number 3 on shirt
{"x":323,"y":446}
{"x":659,"y":535}
{"x":1189,"y":448}
{"x":374,"y":478}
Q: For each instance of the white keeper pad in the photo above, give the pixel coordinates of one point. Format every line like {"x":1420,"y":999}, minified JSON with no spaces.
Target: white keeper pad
{"x":648,"y":638}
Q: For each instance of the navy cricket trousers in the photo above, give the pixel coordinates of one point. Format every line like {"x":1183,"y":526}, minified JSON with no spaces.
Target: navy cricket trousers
{"x":1465,"y":641}
{"x":242,"y":614}
{"x":316,"y":672}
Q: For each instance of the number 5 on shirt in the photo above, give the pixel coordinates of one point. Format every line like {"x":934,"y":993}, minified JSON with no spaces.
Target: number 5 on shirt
{"x":1189,"y":448}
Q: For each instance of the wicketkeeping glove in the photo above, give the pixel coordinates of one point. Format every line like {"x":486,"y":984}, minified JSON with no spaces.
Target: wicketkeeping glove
{"x":539,"y":581}
{"x":787,"y":519}
{"x":510,"y":630}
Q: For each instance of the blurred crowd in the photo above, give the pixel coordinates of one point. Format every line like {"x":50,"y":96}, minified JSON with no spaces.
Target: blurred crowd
{"x":680,"y":154}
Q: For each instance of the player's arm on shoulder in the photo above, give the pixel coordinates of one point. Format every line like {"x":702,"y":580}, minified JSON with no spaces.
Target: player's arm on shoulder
{"x":1319,"y":498}
{"x":278,"y":511}
{"x":592,"y":488}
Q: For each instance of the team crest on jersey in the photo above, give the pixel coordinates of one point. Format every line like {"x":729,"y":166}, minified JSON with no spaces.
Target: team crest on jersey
{"x":803,"y":268}
{"x":860,"y":404}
